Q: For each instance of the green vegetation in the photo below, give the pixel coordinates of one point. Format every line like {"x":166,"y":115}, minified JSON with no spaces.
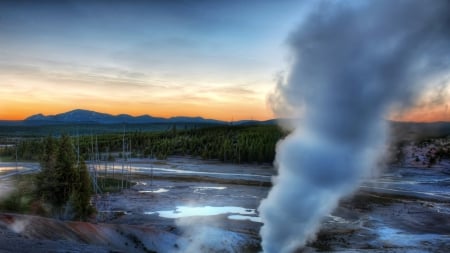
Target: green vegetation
{"x":62,"y":188}
{"x":26,"y":197}
{"x":238,"y":144}
{"x":6,"y":159}
{"x":26,"y":149}
{"x":112,"y":185}
{"x":81,"y":193}
{"x":23,"y":198}
{"x":63,"y":183}
{"x":40,"y":131}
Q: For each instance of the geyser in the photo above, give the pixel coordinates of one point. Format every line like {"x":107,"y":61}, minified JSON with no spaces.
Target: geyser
{"x":354,"y":61}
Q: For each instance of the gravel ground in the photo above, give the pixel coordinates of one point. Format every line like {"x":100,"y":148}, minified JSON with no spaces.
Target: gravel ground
{"x":404,"y":210}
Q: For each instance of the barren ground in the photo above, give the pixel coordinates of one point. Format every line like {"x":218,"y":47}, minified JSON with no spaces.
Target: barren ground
{"x":182,"y":203}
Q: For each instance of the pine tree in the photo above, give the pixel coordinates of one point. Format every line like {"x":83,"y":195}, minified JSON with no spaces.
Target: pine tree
{"x":46,"y":179}
{"x":65,"y":171}
{"x":61,"y":182}
{"x":81,"y":194}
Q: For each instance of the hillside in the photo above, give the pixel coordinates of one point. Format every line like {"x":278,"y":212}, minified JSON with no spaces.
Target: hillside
{"x":86,"y":116}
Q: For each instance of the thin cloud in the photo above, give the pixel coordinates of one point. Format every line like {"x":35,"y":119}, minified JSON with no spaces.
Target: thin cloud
{"x":234,"y":90}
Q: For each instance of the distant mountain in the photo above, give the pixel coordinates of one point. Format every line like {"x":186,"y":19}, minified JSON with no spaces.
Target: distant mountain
{"x":92,"y":117}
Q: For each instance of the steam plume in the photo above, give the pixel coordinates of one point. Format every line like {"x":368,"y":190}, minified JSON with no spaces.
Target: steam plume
{"x":354,"y":61}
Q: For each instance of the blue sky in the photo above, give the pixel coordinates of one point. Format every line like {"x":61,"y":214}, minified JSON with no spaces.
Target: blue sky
{"x":210,"y":58}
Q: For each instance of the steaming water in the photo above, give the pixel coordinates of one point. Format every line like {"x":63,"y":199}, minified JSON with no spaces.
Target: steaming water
{"x":236,"y":213}
{"x":351,"y":65}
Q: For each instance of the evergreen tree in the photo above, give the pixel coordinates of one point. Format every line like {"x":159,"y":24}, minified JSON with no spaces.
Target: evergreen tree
{"x":61,"y":182}
{"x":65,"y":171}
{"x":46,"y":179}
{"x":82,"y":192}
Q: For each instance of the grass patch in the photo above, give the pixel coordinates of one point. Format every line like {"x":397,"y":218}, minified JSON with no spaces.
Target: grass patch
{"x":22,"y":199}
{"x":113,"y":185}
{"x":7,"y":159}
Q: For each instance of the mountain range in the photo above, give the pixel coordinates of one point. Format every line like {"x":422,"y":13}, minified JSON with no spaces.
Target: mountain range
{"x":92,"y":117}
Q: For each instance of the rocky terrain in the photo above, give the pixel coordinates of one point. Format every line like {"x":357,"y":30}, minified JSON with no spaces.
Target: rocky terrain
{"x":188,"y":205}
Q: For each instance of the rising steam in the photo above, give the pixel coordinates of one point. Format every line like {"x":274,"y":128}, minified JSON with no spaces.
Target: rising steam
{"x":354,"y":61}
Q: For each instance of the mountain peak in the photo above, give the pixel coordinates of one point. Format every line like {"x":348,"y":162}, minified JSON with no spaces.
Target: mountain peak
{"x":38,"y":116}
{"x":87,"y":116}
{"x":80,"y":111}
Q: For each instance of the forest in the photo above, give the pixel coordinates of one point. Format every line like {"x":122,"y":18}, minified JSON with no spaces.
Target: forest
{"x":236,"y":144}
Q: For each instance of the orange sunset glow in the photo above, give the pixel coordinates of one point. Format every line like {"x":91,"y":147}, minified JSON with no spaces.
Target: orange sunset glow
{"x":425,"y":115}
{"x":220,"y":112}
{"x":223,"y":103}
{"x":55,"y":63}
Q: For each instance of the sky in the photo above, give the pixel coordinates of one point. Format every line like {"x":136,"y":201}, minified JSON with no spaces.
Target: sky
{"x":215,"y":59}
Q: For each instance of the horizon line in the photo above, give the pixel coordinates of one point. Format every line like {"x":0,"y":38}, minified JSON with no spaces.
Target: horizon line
{"x":137,"y":115}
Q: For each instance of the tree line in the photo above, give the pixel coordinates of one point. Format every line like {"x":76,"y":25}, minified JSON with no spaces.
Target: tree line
{"x":237,"y":144}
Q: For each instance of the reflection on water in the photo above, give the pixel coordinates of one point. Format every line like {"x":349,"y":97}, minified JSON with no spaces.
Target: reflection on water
{"x":244,"y":217}
{"x":204,"y":189}
{"x":335,"y":219}
{"x":8,"y":169}
{"x":238,"y":213}
{"x":11,"y":168}
{"x":159,"y":170}
{"x":401,"y":238}
{"x":210,"y":187}
{"x":160,"y":190}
